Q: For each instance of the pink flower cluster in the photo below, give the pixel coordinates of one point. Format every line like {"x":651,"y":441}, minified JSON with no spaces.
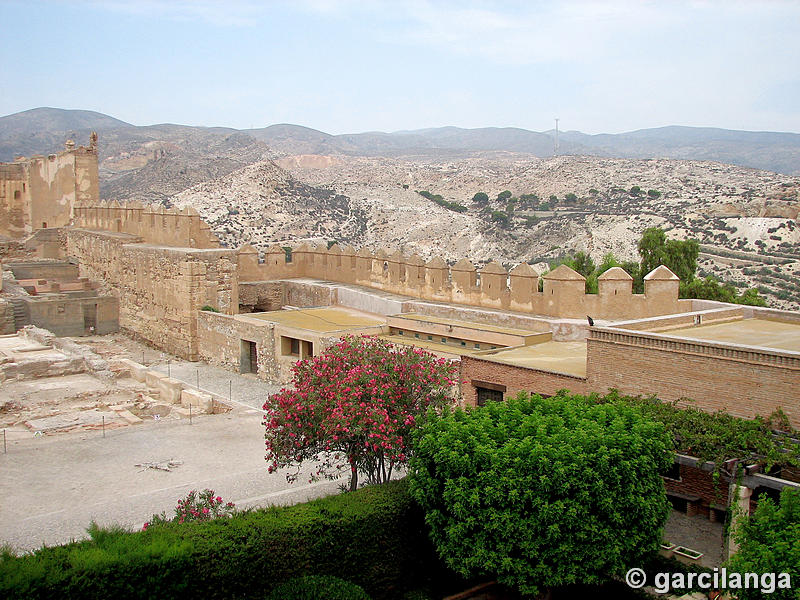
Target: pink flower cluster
{"x":359,"y":399}
{"x":196,"y":507}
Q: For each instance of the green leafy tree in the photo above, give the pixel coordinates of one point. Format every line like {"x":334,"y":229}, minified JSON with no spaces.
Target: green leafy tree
{"x":651,"y":248}
{"x":582,"y":263}
{"x":571,"y":198}
{"x":769,"y":542}
{"x":636,"y":191}
{"x":500,"y":217}
{"x":654,"y":194}
{"x":680,"y":257}
{"x":505,"y":195}
{"x":542,"y":492}
{"x":480,"y":198}
{"x":710,"y":288}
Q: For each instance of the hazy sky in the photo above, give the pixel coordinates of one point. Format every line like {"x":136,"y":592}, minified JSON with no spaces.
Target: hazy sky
{"x":348,"y":66}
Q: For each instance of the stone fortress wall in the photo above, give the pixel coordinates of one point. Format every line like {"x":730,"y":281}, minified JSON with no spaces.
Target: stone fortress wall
{"x":154,"y":224}
{"x":563,"y":294}
{"x":160,"y":288}
{"x":40,"y":192}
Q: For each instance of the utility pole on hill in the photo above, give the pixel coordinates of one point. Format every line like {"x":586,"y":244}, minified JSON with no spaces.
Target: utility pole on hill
{"x":555,"y":146}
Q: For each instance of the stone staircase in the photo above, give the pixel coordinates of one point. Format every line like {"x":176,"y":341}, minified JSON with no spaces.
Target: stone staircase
{"x":22,"y":316}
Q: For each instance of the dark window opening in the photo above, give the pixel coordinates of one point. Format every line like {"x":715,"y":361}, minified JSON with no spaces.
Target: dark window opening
{"x":16,"y":194}
{"x":486,"y":395}
{"x":674,"y":472}
{"x":295,"y":347}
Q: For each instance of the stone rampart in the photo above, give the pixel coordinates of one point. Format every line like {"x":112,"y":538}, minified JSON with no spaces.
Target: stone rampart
{"x":154,"y":224}
{"x":563,"y":293}
{"x":160,"y":289}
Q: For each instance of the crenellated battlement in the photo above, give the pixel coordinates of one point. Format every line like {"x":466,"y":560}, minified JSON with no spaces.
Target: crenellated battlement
{"x":154,"y":224}
{"x":563,"y":290}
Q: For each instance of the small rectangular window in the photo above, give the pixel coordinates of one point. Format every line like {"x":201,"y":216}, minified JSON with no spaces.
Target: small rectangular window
{"x":463,"y":343}
{"x":477,"y":346}
{"x":444,"y":340}
{"x":486,"y":395}
{"x":430,"y":338}
{"x":674,"y":472}
{"x":399,"y":332}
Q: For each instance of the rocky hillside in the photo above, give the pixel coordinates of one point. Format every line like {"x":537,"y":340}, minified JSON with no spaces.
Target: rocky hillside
{"x":262,"y":204}
{"x":150,"y":164}
{"x":746,"y":219}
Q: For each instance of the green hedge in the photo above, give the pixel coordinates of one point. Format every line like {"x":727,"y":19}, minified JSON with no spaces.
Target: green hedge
{"x":374,"y":537}
{"x":314,"y":587}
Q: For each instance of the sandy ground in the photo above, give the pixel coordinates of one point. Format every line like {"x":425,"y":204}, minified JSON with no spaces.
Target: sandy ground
{"x":52,"y":487}
{"x":63,"y":468}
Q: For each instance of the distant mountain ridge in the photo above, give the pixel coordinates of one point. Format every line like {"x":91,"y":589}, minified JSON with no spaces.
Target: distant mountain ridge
{"x":43,"y":130}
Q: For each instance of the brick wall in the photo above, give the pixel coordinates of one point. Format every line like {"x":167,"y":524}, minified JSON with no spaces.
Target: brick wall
{"x":740,"y":382}
{"x":515,"y":379}
{"x":696,"y":482}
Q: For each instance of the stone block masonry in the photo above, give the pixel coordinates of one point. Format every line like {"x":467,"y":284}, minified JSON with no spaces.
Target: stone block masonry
{"x":563,"y":294}
{"x":220,"y":343}
{"x":40,"y":192}
{"x":160,"y":289}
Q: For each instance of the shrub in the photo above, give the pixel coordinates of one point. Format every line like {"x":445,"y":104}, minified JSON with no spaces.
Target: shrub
{"x":317,"y":587}
{"x":769,"y":542}
{"x":543,"y":492}
{"x":352,"y":409}
{"x":373,"y":537}
{"x":195,"y":507}
{"x":209,"y":308}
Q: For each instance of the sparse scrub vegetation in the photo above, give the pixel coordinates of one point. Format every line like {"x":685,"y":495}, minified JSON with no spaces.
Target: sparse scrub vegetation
{"x":454,"y":206}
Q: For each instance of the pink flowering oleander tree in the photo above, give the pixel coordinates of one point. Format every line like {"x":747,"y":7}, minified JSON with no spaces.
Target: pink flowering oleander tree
{"x":353,"y":408}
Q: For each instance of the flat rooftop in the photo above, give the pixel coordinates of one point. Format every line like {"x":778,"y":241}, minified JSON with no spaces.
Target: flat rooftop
{"x":464,"y":324}
{"x":435,"y":347}
{"x":320,"y":320}
{"x":766,"y":333}
{"x":568,"y":358}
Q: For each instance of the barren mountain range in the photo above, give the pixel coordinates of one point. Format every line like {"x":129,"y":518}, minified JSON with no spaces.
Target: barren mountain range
{"x":284,"y":183}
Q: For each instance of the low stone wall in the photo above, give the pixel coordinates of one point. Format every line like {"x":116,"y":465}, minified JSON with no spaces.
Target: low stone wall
{"x":7,"y":325}
{"x":219,"y":343}
{"x":66,"y":316}
{"x":42,"y":269}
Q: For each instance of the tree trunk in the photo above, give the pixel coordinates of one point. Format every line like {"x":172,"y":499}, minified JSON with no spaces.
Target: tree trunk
{"x":353,"y":477}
